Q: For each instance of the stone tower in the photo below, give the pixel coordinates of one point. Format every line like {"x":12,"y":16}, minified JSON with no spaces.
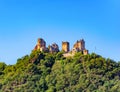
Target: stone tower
{"x":82,"y":45}
{"x":65,"y":46}
{"x":41,"y":45}
{"x":79,"y":45}
{"x":53,"y":48}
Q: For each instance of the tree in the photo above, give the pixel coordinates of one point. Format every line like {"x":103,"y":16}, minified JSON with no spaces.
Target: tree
{"x":2,"y":66}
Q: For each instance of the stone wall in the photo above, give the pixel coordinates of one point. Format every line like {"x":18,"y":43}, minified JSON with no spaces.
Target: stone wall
{"x":65,"y":46}
{"x":41,"y":45}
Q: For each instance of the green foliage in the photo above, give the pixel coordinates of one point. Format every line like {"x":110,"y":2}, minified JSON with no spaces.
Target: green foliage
{"x":2,"y":66}
{"x":59,"y":55}
{"x":51,"y":72}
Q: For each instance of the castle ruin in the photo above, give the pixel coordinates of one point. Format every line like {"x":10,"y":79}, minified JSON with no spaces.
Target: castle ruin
{"x":41,"y":45}
{"x":79,"y":46}
{"x":65,"y":47}
{"x":53,"y":48}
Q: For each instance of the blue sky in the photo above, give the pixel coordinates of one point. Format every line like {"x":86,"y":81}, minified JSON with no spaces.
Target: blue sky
{"x":23,"y":21}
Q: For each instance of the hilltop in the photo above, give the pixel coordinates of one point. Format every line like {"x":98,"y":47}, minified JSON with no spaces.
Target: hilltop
{"x":51,"y":71}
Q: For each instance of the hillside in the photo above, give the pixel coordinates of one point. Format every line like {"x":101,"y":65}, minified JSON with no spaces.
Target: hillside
{"x":46,"y":72}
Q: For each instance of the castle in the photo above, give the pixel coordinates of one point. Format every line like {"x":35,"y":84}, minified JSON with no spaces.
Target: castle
{"x":41,"y":45}
{"x":79,"y":46}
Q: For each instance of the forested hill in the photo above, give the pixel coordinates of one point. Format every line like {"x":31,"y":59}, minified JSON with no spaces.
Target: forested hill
{"x":46,"y":72}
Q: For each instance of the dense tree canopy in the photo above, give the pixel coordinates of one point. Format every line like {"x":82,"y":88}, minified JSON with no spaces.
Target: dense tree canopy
{"x":51,"y":72}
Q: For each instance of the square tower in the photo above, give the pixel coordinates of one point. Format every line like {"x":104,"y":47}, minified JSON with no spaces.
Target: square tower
{"x":79,"y":45}
{"x":65,"y":47}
